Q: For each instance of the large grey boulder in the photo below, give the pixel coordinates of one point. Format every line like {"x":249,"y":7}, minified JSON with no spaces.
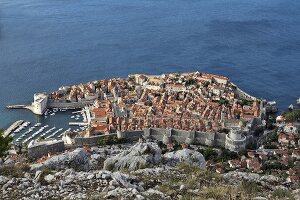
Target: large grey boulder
{"x":187,"y":156}
{"x":3,"y":180}
{"x":235,"y":177}
{"x":141,"y":155}
{"x":77,"y":159}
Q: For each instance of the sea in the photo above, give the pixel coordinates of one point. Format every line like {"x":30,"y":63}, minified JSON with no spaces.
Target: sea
{"x":47,"y":44}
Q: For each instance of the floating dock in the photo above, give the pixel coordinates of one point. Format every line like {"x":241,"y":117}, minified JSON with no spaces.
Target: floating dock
{"x":12,"y":127}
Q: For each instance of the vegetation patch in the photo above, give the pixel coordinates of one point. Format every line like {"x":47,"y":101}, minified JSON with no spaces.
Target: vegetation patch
{"x":16,"y":171}
{"x":292,"y":116}
{"x":44,"y":173}
{"x":4,"y":144}
{"x":111,"y":140}
{"x":282,"y":194}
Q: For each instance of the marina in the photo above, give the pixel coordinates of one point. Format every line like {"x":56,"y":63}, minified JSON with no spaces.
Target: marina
{"x":23,"y":133}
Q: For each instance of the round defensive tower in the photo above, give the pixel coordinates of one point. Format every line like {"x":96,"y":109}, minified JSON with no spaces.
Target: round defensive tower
{"x":235,"y":141}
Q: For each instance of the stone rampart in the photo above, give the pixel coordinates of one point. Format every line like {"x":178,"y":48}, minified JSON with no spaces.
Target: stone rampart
{"x":42,"y":149}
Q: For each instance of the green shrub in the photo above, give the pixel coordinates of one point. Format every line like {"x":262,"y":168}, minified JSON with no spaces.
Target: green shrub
{"x":292,"y":116}
{"x":12,"y":171}
{"x":4,"y":144}
{"x":111,"y":139}
{"x":249,"y":189}
{"x":281,"y":193}
{"x":44,"y":173}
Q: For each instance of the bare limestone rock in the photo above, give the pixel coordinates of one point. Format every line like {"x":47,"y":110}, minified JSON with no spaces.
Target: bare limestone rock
{"x":139,"y":156}
{"x":3,"y":180}
{"x":77,"y":159}
{"x":189,"y":156}
{"x":235,"y":177}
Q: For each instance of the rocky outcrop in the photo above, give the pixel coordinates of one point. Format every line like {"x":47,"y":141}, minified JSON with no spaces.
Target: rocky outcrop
{"x":70,"y":184}
{"x":235,"y":177}
{"x":189,"y":156}
{"x":77,"y":159}
{"x":139,"y":156}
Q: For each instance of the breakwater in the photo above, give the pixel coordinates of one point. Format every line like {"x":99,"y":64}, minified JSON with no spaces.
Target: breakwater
{"x":12,"y":127}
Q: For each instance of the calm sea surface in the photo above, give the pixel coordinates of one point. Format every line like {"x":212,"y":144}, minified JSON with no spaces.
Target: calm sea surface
{"x":46,"y":44}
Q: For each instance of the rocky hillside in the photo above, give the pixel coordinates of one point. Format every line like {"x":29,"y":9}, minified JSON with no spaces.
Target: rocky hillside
{"x":137,"y":172}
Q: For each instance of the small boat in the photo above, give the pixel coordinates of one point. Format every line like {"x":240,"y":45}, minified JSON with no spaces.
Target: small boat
{"x":72,"y":117}
{"x":291,"y":107}
{"x":37,"y":124}
{"x":52,"y":114}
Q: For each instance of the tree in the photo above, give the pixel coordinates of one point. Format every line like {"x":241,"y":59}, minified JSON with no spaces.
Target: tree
{"x":4,"y":144}
{"x":224,"y":101}
{"x":210,"y":154}
{"x":190,"y":81}
{"x":245,"y":102}
{"x":292,"y":116}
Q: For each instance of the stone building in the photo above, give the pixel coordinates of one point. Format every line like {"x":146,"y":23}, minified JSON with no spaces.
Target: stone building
{"x":39,"y":105}
{"x":235,"y":140}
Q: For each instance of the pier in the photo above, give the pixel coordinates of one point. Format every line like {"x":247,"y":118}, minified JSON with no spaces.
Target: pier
{"x":78,"y":123}
{"x":17,"y":106}
{"x":28,"y":107}
{"x":12,"y":127}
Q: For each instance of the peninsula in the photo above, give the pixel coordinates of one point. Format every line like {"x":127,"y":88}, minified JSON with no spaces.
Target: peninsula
{"x":189,"y":107}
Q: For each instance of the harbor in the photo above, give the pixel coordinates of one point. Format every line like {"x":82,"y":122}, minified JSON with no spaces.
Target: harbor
{"x":52,"y":124}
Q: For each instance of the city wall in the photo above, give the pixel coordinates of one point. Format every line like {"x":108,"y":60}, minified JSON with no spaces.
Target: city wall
{"x":40,"y":150}
{"x":69,"y":105}
{"x":180,"y":136}
{"x":88,"y":141}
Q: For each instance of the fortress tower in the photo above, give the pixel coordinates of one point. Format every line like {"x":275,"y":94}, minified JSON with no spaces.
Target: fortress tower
{"x":39,"y":105}
{"x":235,"y":141}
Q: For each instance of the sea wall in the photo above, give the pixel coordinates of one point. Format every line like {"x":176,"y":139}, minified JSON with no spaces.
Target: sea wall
{"x":69,"y":105}
{"x":242,"y":94}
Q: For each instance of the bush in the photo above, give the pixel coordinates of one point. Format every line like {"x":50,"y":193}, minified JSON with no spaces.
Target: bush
{"x":44,"y":173}
{"x":245,"y":102}
{"x":223,"y":101}
{"x":249,"y":189}
{"x":281,"y":193}
{"x":227,"y":155}
{"x":292,"y":116}
{"x":190,"y":81}
{"x":16,"y":171}
{"x":209,"y":154}
{"x":111,"y":139}
{"x":4,"y":144}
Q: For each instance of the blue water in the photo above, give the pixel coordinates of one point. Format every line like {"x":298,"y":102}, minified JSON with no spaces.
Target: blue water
{"x":46,"y":44}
